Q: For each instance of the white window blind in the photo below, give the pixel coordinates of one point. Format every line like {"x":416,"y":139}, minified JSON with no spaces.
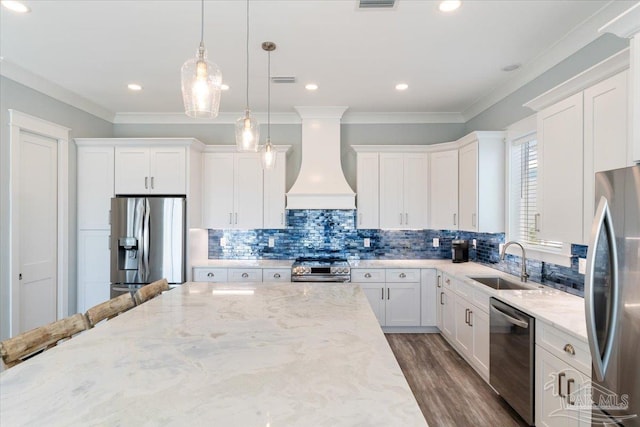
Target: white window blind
{"x":523,"y":193}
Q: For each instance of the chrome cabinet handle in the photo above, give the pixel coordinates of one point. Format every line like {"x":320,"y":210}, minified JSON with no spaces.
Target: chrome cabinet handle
{"x":146,"y":182}
{"x":441,"y":295}
{"x":245,"y":275}
{"x":466,"y":316}
{"x":448,"y":281}
{"x":439,"y":281}
{"x":382,"y":289}
{"x":568,"y":348}
{"x":367,"y":275}
{"x":401,"y":218}
{"x":276,"y":276}
{"x":560,"y":377}
{"x":569,"y":382}
{"x":152,"y":182}
{"x":230,"y":218}
{"x":402,"y":275}
{"x":455,"y":219}
{"x":470,"y":323}
{"x":406,"y":218}
{"x":210,"y":274}
{"x":388,"y":293}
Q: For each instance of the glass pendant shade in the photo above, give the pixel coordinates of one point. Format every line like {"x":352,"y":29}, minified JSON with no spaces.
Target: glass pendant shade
{"x":269,"y":155}
{"x":201,"y":86}
{"x":247,"y":133}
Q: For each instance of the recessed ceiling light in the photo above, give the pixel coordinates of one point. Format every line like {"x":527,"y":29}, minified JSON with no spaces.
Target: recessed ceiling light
{"x":511,"y":67}
{"x":311,"y":86}
{"x":134,"y":86}
{"x":224,"y":87}
{"x":402,"y":86}
{"x":449,"y":5}
{"x":15,"y":6}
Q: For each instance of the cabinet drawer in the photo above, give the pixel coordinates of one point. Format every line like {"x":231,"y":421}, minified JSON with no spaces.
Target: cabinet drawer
{"x":398,"y":275}
{"x":276,"y":275}
{"x":367,"y":276}
{"x":245,"y":275}
{"x":559,"y":344}
{"x":462,"y":288}
{"x":203,"y":274}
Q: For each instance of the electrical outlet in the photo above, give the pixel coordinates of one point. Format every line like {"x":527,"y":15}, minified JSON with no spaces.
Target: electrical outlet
{"x":474,"y":243}
{"x":367,"y":242}
{"x":582,"y":265}
{"x":223,"y":241}
{"x":272,"y":242}
{"x":436,"y":242}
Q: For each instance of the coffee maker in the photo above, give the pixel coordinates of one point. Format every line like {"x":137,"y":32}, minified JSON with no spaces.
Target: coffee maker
{"x":460,"y":250}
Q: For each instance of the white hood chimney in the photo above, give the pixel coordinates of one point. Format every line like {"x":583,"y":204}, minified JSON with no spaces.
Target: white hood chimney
{"x":321,"y":183}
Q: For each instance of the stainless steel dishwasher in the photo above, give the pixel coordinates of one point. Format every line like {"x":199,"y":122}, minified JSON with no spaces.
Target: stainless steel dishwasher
{"x":512,"y":357}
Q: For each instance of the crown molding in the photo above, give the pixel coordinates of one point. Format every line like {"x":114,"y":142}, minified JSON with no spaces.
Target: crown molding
{"x":626,"y":25}
{"x":401,"y":118}
{"x":57,"y":92}
{"x":573,"y":41}
{"x":130,"y":118}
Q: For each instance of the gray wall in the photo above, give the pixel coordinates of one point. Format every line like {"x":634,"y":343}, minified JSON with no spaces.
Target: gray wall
{"x":18,"y":97}
{"x":509,"y":110}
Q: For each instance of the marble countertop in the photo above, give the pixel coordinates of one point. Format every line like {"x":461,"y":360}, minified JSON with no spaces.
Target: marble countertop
{"x":277,"y":354}
{"x":243,"y":263}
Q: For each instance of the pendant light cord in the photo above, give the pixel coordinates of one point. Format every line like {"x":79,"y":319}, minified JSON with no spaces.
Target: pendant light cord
{"x":202,"y":24}
{"x":247,"y":55}
{"x":269,"y":100}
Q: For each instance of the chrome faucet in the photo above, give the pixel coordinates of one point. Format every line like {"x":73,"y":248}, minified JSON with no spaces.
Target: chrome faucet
{"x":523,"y":272}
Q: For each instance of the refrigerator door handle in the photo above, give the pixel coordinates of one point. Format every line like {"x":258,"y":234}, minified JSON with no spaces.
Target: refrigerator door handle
{"x":601,"y":356}
{"x":145,"y":240}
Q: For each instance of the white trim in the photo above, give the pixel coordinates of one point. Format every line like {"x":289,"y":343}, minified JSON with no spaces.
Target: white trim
{"x":42,"y":85}
{"x":575,"y":40}
{"x":19,"y":122}
{"x":231,"y":148}
{"x":402,"y":118}
{"x":521,"y":128}
{"x":125,"y":118}
{"x":141,"y":142}
{"x":328,"y":112}
{"x":442,"y":146}
{"x":626,"y":25}
{"x":601,"y":71}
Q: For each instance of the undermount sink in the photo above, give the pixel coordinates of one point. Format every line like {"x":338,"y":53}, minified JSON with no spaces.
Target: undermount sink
{"x":500,"y":283}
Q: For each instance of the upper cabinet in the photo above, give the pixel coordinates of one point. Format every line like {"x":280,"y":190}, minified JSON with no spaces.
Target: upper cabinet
{"x":481,"y":182}
{"x":150,"y":170}
{"x":368,"y":198}
{"x":274,"y":193}
{"x":403,"y":190}
{"x":443,"y":190}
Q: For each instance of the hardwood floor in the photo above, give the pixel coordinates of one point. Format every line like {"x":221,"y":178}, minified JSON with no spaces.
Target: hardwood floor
{"x":449,"y":392}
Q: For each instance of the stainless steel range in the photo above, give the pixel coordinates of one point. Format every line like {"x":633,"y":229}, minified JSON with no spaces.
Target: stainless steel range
{"x":320,"y":270}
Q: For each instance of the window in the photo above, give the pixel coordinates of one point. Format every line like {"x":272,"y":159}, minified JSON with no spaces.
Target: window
{"x":523,"y":193}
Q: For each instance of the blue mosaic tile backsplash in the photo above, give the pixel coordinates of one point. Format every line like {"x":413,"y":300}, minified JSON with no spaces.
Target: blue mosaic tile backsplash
{"x":333,"y":233}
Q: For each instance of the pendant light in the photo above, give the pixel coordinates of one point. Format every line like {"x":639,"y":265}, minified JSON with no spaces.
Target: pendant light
{"x":268,"y":151}
{"x":247,"y":127}
{"x":201,"y":82}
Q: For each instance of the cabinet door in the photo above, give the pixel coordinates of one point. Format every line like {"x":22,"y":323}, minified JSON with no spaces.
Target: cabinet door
{"x":217,"y":190}
{"x":480,"y":325}
{"x":93,"y":268}
{"x":463,"y":332}
{"x":95,"y":186}
{"x":448,"y":313}
{"x":439,"y":296}
{"x":167,"y":170}
{"x":560,"y":171}
{"x":605,"y":136}
{"x":375,"y":294}
{"x":248,"y":191}
{"x":468,"y":187}
{"x":132,"y":170}
{"x":391,"y":194}
{"x":428,"y":297}
{"x":367,"y":192}
{"x":403,"y":304}
{"x":443,"y":190}
{"x":416,"y":190}
{"x":274,"y":194}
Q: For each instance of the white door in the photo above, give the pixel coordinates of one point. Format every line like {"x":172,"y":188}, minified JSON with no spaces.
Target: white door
{"x":416,"y":190}
{"x":248,"y":192}
{"x":448,"y":313}
{"x":274,"y":190}
{"x":391,"y":190}
{"x":480,"y":324}
{"x":217,"y":190}
{"x":403,"y":304}
{"x":443,"y":189}
{"x":167,"y":170}
{"x":375,"y":294}
{"x":428,"y":296}
{"x":38,"y":237}
{"x":367,"y":172}
{"x":468,"y":187}
{"x":132,"y":170}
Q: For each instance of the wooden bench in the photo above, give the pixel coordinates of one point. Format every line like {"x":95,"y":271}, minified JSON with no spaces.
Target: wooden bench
{"x":150,"y":291}
{"x":110,"y":309}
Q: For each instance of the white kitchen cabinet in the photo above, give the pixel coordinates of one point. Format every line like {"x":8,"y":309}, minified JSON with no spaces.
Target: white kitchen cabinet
{"x":244,"y":275}
{"x":276,"y":275}
{"x":560,"y":171}
{"x":479,"y":320}
{"x":605,"y":136}
{"x":403,"y":304}
{"x":274,"y":194}
{"x":447,"y":300}
{"x":150,"y":170}
{"x":375,"y":293}
{"x":481,"y":182}
{"x":95,"y":187}
{"x":443,"y":190}
{"x":403,"y":190}
{"x":439,"y":296}
{"x":94,"y":277}
{"x":232,"y":191}
{"x":367,"y":177}
{"x":428,"y":306}
{"x":207,"y":274}
{"x":463,"y":332}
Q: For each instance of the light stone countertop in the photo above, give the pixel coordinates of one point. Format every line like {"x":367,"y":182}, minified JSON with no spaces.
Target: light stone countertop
{"x":243,"y":263}
{"x":277,"y":354}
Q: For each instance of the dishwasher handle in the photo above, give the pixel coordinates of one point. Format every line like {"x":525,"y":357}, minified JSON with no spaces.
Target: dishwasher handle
{"x":518,"y":322}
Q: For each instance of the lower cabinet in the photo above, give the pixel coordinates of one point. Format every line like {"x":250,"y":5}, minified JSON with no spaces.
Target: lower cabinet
{"x":250,"y":274}
{"x":94,"y":279}
{"x":428,"y":298}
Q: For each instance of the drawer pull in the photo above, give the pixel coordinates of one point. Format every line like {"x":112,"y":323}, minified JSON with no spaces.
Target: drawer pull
{"x":560,"y":376}
{"x":210,"y":274}
{"x":367,"y":275}
{"x":470,"y":322}
{"x":276,"y":276}
{"x":569,"y":382}
{"x":569,"y":349}
{"x":245,"y":275}
{"x":402,"y":275}
{"x":441,"y":295}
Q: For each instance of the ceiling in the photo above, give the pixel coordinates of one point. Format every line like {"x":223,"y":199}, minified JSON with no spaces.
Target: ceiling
{"x":451,"y":62}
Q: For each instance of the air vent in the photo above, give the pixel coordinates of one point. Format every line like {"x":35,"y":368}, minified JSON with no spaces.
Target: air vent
{"x":376,"y":4}
{"x":283,"y":79}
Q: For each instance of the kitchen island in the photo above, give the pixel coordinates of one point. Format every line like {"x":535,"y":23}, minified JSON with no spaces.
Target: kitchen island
{"x":270,"y":354}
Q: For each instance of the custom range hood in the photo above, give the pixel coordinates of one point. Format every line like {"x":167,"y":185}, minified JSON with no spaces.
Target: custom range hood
{"x":321,"y":183}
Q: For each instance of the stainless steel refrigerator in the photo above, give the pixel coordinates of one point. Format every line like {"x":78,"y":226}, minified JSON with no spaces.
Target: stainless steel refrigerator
{"x":612,"y":298}
{"x":147,"y":241}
